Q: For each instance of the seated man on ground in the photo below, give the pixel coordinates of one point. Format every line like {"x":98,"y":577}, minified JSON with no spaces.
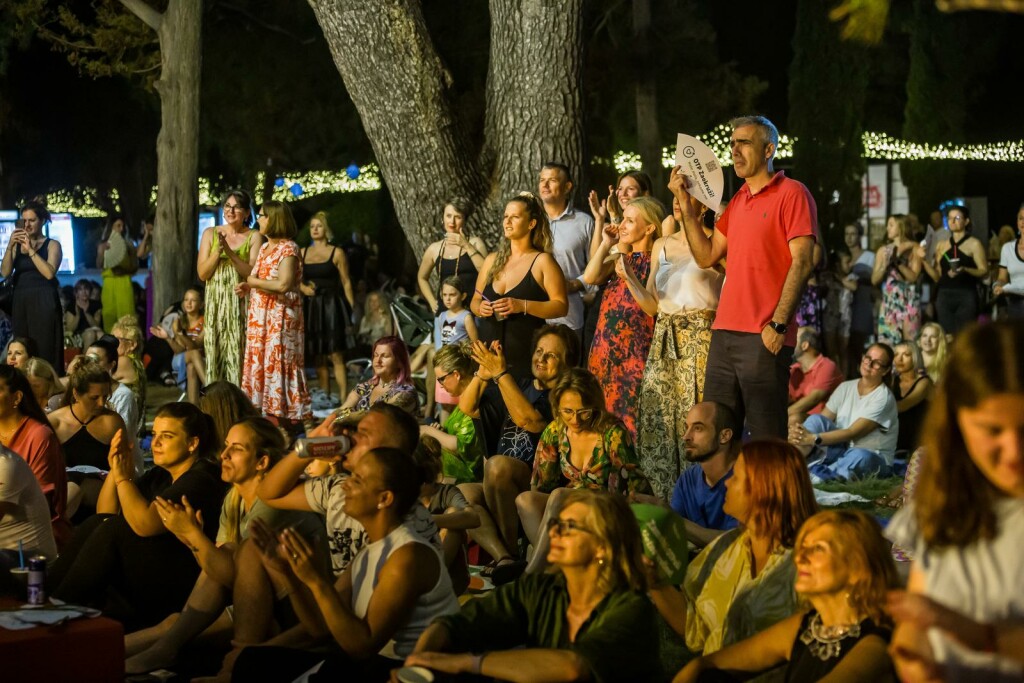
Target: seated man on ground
{"x":712,"y":441}
{"x":812,"y":377}
{"x":855,"y":435}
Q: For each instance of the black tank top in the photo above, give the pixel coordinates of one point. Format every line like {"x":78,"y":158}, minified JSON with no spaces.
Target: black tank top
{"x":963,"y":280}
{"x":324,"y":275}
{"x":462,"y":267}
{"x":85,"y":449}
{"x":516,"y":331}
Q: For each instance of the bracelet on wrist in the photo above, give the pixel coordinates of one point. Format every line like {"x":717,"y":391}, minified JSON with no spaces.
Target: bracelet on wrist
{"x":478,"y":663}
{"x":499,"y":376}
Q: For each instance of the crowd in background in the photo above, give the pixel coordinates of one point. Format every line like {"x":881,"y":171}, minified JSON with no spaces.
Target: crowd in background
{"x":506,"y":415}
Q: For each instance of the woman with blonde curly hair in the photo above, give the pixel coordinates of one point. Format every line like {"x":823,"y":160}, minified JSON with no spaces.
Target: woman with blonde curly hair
{"x":586,"y":620}
{"x":520,"y":285}
{"x":844,"y":571}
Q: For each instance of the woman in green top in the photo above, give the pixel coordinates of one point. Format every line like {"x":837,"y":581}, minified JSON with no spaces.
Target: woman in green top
{"x":227,"y":254}
{"x":588,"y":620}
{"x":462,"y":444}
{"x":742,"y":582}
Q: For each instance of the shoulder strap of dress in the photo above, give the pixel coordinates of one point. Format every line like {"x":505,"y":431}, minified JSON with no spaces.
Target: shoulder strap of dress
{"x":330,"y":258}
{"x":535,"y":260}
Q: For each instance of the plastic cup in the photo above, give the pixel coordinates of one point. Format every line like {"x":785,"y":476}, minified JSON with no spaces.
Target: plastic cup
{"x":415,"y":674}
{"x":20,"y":576}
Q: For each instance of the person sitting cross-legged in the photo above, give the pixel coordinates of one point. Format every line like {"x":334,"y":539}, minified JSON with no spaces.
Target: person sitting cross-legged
{"x":859,"y":426}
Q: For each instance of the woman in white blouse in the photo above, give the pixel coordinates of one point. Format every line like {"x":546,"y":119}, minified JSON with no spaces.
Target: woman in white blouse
{"x":684,"y":298}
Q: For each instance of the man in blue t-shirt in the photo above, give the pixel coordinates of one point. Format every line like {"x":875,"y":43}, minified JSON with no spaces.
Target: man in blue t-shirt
{"x":712,"y":441}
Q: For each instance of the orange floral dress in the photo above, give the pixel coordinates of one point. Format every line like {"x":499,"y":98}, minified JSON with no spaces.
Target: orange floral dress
{"x":273,"y":375}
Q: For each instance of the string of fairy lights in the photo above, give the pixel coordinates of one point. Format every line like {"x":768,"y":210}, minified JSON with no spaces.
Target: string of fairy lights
{"x":287,"y":187}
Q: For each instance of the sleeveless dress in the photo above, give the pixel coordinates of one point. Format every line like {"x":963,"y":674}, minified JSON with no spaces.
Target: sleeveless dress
{"x":327,"y":313}
{"x":910,"y":420}
{"x":956,"y":304}
{"x":622,"y":341}
{"x":225,"y":341}
{"x":515,"y":332}
{"x":809,"y":661}
{"x":461,"y":267}
{"x":274,"y":377}
{"x":36,"y":308}
{"x":82,"y":448}
{"x":901,"y":308}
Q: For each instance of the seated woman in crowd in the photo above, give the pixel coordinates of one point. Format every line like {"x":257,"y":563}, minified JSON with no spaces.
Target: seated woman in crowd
{"x":20,"y":350}
{"x":588,"y":620}
{"x":461,"y":442}
{"x":44,"y":381}
{"x":520,"y":285}
{"x":25,"y":430}
{"x":123,"y":558}
{"x":843,"y":570}
{"x":186,"y":341}
{"x":252,"y":447}
{"x":966,"y":518}
{"x":85,"y":428}
{"x":83,"y":320}
{"x":912,"y":389}
{"x":391,"y":381}
{"x":624,"y":331}
{"x":523,"y":413}
{"x":452,"y":513}
{"x":742,"y":582}
{"x":932,"y":341}
{"x":584,"y":447}
{"x":129,"y":370}
{"x":380,"y":605}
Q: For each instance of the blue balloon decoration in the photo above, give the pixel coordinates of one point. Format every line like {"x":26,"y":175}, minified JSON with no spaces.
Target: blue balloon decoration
{"x":279,"y":182}
{"x":352,"y":171}
{"x":296,"y":189}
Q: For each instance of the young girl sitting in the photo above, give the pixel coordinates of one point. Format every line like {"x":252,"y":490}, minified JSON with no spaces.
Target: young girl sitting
{"x":450,"y":326}
{"x":186,"y":340}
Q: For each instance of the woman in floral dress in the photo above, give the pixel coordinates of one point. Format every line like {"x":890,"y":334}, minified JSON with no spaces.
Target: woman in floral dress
{"x":897,"y":267}
{"x":274,"y":375}
{"x":623,"y":335}
{"x":227,"y":254}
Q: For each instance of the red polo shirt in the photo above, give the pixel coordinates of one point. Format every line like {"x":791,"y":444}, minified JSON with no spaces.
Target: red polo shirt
{"x":823,"y":374}
{"x":758,"y":228}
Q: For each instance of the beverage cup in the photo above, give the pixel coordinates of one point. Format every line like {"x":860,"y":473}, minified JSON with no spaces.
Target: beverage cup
{"x":415,"y":674}
{"x":954,"y":264}
{"x":20,"y":576}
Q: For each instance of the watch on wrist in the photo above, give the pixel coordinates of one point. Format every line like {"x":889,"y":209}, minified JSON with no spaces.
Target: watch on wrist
{"x":817,"y":439}
{"x":779,"y":328}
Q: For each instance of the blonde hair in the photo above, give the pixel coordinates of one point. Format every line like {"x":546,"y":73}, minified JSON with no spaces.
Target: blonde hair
{"x":650,"y":210}
{"x":614,"y":526}
{"x":268,"y":441}
{"x":935,"y":366}
{"x":41,"y":369}
{"x":322,"y":217}
{"x":130,"y":330}
{"x":457,"y":357}
{"x":540,"y":236}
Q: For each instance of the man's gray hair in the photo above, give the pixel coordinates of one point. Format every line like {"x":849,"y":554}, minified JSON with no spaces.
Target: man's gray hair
{"x":769,"y":133}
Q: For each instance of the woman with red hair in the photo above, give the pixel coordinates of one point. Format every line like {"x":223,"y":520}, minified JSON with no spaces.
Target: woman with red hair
{"x":742,"y":582}
{"x":391,"y":381}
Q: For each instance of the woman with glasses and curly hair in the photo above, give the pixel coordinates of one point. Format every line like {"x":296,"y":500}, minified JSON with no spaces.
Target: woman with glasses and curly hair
{"x":520,"y":285}
{"x":587,"y":620}
{"x":742,"y":582}
{"x":843,"y":572}
{"x":227,"y":254}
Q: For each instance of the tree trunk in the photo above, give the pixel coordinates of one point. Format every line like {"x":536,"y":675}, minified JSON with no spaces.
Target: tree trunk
{"x":647,"y":128}
{"x":179,"y":31}
{"x":403,"y":94}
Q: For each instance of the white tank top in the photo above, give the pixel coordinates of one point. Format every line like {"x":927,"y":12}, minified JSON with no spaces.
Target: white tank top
{"x":682,"y":285}
{"x":438,"y":601}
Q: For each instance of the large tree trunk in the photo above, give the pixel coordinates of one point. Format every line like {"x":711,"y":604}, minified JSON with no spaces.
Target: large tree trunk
{"x":179,"y":31}
{"x":403,"y":93}
{"x":177,"y":215}
{"x":647,"y":129}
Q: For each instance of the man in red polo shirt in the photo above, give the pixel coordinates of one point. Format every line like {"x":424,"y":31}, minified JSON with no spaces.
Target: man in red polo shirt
{"x":812,"y":377}
{"x":768,"y":233}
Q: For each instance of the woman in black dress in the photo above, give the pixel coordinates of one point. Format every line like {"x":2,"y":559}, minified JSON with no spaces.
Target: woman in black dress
{"x":327,"y":305}
{"x":520,"y":285}
{"x":33,"y":259}
{"x":456,"y":254}
{"x":844,"y":570}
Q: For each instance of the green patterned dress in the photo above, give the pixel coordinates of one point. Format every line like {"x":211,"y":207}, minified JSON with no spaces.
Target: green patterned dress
{"x":224,"y":341}
{"x":466,"y":463}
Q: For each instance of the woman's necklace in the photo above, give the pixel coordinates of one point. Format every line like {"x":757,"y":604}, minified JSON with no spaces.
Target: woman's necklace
{"x":825,"y":642}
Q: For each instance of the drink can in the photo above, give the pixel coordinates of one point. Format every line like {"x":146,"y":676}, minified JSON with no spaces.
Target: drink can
{"x":37,"y":580}
{"x":323,"y":446}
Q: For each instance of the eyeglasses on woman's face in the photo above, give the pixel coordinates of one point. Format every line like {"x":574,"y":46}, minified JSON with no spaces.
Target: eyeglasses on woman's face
{"x":875,"y":364}
{"x":582,"y":414}
{"x":566,"y":527}
{"x":233,"y":208}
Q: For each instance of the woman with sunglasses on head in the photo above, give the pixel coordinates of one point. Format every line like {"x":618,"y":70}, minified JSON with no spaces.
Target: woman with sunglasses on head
{"x":251,"y":448}
{"x":585,"y":447}
{"x":227,"y":254}
{"x":843,"y":570}
{"x":586,"y":620}
{"x":742,"y":582}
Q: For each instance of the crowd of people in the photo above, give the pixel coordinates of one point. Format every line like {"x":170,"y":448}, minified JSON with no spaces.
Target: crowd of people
{"x":730,"y":368}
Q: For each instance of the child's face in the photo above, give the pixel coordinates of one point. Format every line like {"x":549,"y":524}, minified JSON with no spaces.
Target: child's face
{"x":451,"y":297}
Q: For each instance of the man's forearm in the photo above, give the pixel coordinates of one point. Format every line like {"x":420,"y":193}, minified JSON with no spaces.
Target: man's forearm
{"x":793,"y":287}
{"x":281,"y":478}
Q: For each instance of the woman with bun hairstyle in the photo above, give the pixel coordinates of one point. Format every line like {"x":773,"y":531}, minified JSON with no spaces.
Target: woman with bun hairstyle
{"x":32,"y":259}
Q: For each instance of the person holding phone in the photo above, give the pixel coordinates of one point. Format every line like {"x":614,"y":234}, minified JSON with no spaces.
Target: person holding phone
{"x":959,"y":265}
{"x":32,"y":259}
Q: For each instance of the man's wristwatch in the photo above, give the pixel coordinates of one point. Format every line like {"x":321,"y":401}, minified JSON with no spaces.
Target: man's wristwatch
{"x":817,"y":439}
{"x":780,"y":328}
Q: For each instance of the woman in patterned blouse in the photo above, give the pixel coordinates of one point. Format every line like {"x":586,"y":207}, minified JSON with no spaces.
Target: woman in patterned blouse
{"x":584,"y":447}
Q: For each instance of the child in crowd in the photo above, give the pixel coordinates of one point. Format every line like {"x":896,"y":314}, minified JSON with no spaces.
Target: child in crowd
{"x":451,"y":325}
{"x":129,"y":369}
{"x":185,"y":337}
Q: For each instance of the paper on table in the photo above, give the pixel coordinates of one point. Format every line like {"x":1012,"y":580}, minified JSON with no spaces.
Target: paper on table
{"x":17,"y":620}
{"x":700,"y":164}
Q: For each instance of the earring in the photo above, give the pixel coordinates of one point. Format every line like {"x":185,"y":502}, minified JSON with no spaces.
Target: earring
{"x":600,"y":562}
{"x":380,"y":506}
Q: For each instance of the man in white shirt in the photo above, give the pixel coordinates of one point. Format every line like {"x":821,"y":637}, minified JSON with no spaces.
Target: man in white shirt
{"x":24,"y":512}
{"x":573,"y":235}
{"x":855,"y":435}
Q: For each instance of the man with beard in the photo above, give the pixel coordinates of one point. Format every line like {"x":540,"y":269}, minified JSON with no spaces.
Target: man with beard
{"x":712,"y":440}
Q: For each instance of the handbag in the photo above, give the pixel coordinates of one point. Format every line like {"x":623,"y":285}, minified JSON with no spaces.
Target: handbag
{"x":7,"y":295}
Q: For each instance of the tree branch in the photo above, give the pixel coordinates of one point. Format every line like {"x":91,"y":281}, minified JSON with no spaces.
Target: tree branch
{"x":270,"y":27}
{"x":149,"y":16}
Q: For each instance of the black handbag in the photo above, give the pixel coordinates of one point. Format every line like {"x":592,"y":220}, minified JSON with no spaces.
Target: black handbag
{"x":7,"y":295}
